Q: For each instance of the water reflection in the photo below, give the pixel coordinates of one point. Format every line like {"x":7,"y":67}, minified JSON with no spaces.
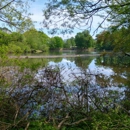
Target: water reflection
{"x":109,"y":73}
{"x":90,"y":67}
{"x":80,"y":85}
{"x":119,"y":65}
{"x":62,"y":52}
{"x":63,"y":62}
{"x":106,"y":71}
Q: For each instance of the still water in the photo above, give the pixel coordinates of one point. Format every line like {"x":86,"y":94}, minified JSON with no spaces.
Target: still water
{"x":106,"y":77}
{"x":94,"y":76}
{"x":114,"y":69}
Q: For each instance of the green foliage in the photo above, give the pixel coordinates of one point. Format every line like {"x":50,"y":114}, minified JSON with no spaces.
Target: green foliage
{"x":30,"y":40}
{"x":40,"y":125}
{"x":110,"y":121}
{"x":44,"y":40}
{"x":104,"y":41}
{"x":56,"y":43}
{"x":120,"y":16}
{"x":84,"y":40}
{"x":122,"y":40}
{"x":36,"y":40}
{"x":15,"y":48}
{"x":4,"y":38}
{"x":69,"y":43}
{"x":16,"y":37}
{"x":3,"y":51}
{"x":79,"y":14}
{"x":15,"y":14}
{"x":117,"y":40}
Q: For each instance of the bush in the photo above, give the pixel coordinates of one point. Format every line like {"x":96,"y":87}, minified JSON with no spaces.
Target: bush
{"x":45,"y":100}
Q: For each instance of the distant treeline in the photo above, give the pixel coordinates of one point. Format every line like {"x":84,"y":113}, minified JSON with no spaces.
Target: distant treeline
{"x":37,"y":41}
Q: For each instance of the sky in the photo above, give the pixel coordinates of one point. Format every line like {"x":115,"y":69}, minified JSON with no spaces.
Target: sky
{"x":36,"y":9}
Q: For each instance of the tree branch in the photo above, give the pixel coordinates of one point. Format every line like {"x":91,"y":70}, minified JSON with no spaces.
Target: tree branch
{"x":7,"y":5}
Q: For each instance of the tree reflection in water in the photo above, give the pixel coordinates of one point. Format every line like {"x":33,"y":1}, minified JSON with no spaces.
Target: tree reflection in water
{"x":65,"y":92}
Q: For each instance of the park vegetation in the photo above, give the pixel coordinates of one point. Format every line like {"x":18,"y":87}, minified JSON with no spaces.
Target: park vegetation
{"x":32,"y":41}
{"x":29,"y":41}
{"x":48,"y":98}
{"x":117,"y":41}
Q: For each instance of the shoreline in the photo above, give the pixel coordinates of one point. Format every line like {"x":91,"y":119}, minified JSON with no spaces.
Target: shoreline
{"x":54,"y":56}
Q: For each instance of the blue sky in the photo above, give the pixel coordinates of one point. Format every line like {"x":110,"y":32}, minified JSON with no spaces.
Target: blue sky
{"x":36,"y":9}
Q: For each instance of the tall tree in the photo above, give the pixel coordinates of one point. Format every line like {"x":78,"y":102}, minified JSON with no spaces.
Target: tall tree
{"x":122,"y":40}
{"x":84,"y":40}
{"x":32,"y":38}
{"x":105,"y":41}
{"x":119,"y":40}
{"x":37,"y":40}
{"x":56,"y":43}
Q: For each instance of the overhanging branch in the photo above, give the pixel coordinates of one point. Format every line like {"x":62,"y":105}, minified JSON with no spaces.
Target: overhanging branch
{"x":7,"y":5}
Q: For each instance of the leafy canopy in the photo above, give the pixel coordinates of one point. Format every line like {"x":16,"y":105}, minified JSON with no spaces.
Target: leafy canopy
{"x":84,"y":40}
{"x":56,"y":43}
{"x":14,"y":13}
{"x":71,"y":14}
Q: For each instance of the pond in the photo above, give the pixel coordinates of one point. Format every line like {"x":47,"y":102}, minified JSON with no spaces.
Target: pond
{"x":53,"y":87}
{"x":107,"y":77}
{"x":116,"y":69}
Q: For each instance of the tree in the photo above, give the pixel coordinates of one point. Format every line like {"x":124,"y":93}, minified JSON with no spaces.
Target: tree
{"x":32,"y":38}
{"x":69,"y":43}
{"x":80,"y":13}
{"x":43,"y":41}
{"x":37,"y":40}
{"x":122,"y":40}
{"x":17,"y":37}
{"x":14,"y":13}
{"x":4,"y":38}
{"x":84,"y":40}
{"x":119,"y":14}
{"x":72,"y":14}
{"x":56,"y":43}
{"x":105,"y":40}
{"x":17,"y":40}
{"x":117,"y":40}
